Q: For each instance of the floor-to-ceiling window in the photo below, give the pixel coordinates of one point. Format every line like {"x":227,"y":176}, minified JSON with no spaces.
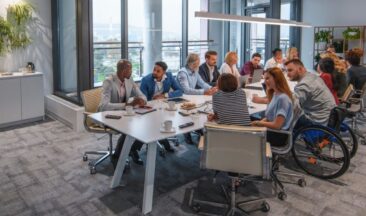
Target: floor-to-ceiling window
{"x":106,"y":38}
{"x":197,"y":28}
{"x":235,"y":30}
{"x":285,"y":30}
{"x":90,"y":36}
{"x":172,"y":34}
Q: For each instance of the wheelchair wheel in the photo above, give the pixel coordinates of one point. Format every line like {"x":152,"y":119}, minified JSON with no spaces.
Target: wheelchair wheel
{"x":349,"y":138}
{"x":320,"y":152}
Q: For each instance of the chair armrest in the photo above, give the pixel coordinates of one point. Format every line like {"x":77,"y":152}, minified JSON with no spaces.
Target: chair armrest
{"x":87,"y":113}
{"x":280,"y":131}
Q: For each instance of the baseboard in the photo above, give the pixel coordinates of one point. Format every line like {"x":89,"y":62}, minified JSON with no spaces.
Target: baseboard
{"x":66,"y":112}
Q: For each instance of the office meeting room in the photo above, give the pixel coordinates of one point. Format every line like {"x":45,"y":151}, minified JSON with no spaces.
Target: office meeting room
{"x":182,"y":107}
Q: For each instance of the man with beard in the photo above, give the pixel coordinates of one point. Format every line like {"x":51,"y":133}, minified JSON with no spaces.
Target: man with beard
{"x":157,"y":85}
{"x":208,"y":70}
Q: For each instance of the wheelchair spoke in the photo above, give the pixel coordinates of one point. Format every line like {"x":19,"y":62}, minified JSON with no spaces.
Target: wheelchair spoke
{"x":320,"y":152}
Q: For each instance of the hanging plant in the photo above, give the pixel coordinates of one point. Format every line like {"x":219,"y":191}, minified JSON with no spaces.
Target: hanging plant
{"x":351,"y":33}
{"x":19,"y":15}
{"x":5,"y":34}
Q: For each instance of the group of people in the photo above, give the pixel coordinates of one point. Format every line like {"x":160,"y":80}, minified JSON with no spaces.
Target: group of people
{"x":316,"y":95}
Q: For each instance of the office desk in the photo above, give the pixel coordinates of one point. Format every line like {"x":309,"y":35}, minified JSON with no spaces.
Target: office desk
{"x":146,"y":128}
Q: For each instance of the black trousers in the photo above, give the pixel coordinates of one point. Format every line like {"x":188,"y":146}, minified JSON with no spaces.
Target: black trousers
{"x":277,"y":139}
{"x":136,"y":146}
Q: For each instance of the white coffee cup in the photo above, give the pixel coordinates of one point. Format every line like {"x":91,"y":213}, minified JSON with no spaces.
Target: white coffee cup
{"x":129,"y":110}
{"x":171,"y":105}
{"x":167,"y":125}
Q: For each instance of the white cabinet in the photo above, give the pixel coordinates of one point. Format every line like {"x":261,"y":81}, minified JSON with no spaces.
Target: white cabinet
{"x":10,"y":100}
{"x":32,"y":97}
{"x":21,"y":98}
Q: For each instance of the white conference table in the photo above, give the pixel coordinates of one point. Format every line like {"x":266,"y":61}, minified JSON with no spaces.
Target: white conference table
{"x":146,"y":128}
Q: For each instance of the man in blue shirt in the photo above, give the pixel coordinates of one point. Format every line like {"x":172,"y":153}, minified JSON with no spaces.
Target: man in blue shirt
{"x":157,"y":85}
{"x":188,"y":78}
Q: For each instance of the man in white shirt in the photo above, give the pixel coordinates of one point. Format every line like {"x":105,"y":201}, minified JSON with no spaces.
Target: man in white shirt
{"x":276,"y":60}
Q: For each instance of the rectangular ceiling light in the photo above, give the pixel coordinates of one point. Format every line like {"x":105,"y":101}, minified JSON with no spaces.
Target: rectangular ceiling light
{"x":248,"y":19}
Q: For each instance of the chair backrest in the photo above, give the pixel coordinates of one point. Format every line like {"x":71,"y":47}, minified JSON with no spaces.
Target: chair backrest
{"x":363,"y":98}
{"x":91,"y":99}
{"x":347,"y":94}
{"x":236,"y":149}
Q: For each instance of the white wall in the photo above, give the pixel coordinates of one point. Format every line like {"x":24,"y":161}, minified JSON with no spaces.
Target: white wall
{"x":328,"y":13}
{"x":40,"y":51}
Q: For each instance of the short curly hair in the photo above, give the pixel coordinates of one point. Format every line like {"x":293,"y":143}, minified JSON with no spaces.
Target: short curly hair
{"x":354,"y":55}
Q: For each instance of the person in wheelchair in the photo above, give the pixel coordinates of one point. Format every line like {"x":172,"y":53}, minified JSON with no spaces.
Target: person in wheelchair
{"x":314,"y":97}
{"x":279,"y":111}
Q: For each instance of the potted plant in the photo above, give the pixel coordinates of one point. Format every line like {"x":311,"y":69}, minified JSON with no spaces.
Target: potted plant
{"x":322,"y":37}
{"x":5,"y":34}
{"x":351,"y":33}
{"x":19,"y":15}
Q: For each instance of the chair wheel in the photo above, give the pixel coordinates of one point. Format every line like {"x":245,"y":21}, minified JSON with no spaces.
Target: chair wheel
{"x":93,"y":170}
{"x":265,"y":207}
{"x":162,"y":153}
{"x":301,"y":182}
{"x":363,"y":142}
{"x":196,"y":207}
{"x":282,"y":195}
{"x":85,"y":157}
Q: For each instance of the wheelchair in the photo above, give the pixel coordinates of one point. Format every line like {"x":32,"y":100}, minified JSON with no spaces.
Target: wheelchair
{"x":321,"y":152}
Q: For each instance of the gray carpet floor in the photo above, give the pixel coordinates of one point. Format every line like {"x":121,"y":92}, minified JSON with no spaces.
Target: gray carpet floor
{"x":42,"y":173}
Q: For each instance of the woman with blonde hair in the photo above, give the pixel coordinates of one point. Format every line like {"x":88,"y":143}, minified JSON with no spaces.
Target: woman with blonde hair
{"x":229,"y":66}
{"x":279,"y":112}
{"x":292,"y":53}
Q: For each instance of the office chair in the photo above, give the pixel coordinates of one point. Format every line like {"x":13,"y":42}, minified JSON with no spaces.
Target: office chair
{"x":236,"y":149}
{"x":91,"y":99}
{"x":279,"y":152}
{"x":357,"y":107}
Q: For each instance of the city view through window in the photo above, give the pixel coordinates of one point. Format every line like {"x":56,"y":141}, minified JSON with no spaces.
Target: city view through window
{"x":107,"y":35}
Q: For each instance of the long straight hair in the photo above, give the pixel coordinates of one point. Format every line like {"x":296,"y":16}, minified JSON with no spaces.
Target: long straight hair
{"x":281,"y":83}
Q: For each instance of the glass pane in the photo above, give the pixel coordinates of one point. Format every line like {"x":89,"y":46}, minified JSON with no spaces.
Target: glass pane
{"x":235,"y":30}
{"x":172,"y":34}
{"x":257,"y":2}
{"x":136,"y":29}
{"x":197,"y":28}
{"x":285,"y":30}
{"x":68,"y":53}
{"x":107,"y":38}
{"x":257,"y":37}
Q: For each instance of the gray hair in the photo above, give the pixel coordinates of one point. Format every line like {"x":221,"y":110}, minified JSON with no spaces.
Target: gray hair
{"x":192,"y":58}
{"x":123,"y":64}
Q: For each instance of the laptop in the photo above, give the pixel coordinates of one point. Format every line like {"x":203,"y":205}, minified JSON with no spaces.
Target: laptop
{"x":257,"y":75}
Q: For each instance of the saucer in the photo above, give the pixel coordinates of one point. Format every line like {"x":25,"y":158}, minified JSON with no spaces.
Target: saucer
{"x":175,"y":109}
{"x":172,"y":130}
{"x":131,"y":114}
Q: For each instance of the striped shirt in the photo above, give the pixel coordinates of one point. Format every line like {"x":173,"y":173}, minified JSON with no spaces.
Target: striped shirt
{"x":231,"y":107}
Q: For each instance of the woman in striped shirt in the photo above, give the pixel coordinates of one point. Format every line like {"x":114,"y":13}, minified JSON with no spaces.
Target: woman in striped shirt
{"x":229,"y":103}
